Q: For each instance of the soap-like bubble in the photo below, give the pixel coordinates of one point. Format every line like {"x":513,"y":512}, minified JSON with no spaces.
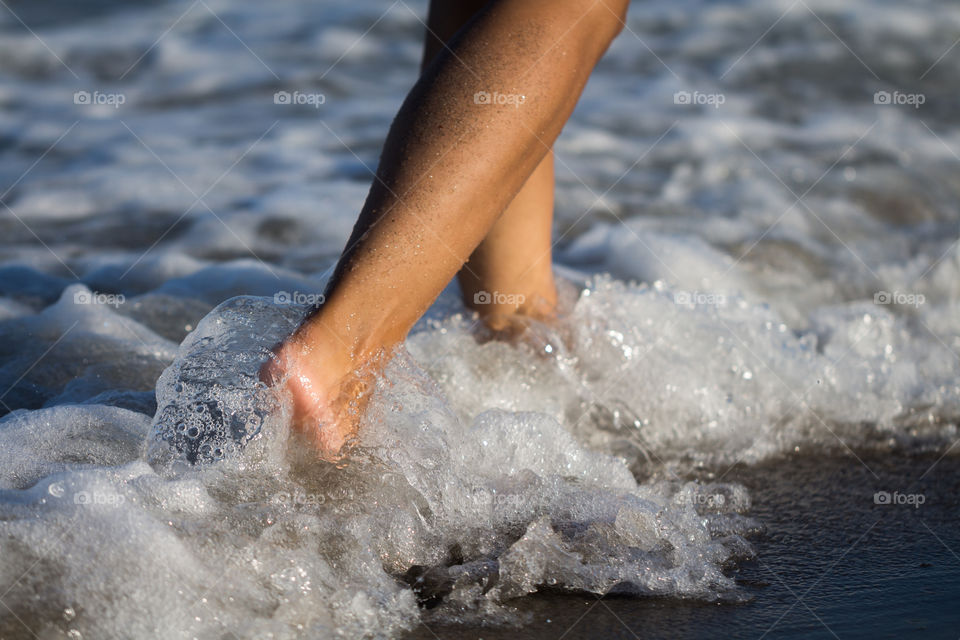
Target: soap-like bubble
{"x":212,"y":392}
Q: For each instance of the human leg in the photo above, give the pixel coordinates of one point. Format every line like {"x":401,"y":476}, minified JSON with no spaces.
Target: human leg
{"x":451,"y":165}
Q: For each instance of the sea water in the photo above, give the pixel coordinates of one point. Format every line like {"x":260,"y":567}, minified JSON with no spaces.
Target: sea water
{"x":760,"y":255}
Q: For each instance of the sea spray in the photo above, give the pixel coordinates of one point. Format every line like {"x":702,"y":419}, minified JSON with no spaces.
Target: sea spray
{"x":211,"y":401}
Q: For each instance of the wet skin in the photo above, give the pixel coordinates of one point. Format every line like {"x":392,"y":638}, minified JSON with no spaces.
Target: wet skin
{"x":464,"y":188}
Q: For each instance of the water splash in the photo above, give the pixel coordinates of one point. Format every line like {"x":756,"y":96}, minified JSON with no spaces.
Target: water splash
{"x":210,"y":401}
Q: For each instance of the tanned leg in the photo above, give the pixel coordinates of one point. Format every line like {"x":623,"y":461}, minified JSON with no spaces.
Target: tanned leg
{"x":511,"y":272}
{"x":451,"y":165}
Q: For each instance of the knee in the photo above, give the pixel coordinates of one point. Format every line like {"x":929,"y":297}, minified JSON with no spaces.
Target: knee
{"x":617,"y":10}
{"x":594,"y":23}
{"x":607,"y":18}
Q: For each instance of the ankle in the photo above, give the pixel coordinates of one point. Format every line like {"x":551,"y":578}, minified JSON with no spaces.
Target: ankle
{"x":319,"y":351}
{"x":536,"y":302}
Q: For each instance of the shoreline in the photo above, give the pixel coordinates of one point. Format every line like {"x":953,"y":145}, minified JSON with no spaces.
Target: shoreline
{"x":860,"y":569}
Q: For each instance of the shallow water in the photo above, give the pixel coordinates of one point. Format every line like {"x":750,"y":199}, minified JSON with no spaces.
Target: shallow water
{"x":840,"y":565}
{"x":770,"y":270}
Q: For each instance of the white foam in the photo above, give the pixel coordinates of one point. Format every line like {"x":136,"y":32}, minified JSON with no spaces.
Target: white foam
{"x":726,"y":321}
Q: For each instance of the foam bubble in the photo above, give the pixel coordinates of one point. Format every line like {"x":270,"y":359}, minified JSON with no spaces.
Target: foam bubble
{"x":210,"y":401}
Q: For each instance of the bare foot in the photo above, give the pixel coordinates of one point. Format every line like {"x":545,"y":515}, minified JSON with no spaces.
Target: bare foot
{"x":537,"y":325}
{"x":329,"y":391}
